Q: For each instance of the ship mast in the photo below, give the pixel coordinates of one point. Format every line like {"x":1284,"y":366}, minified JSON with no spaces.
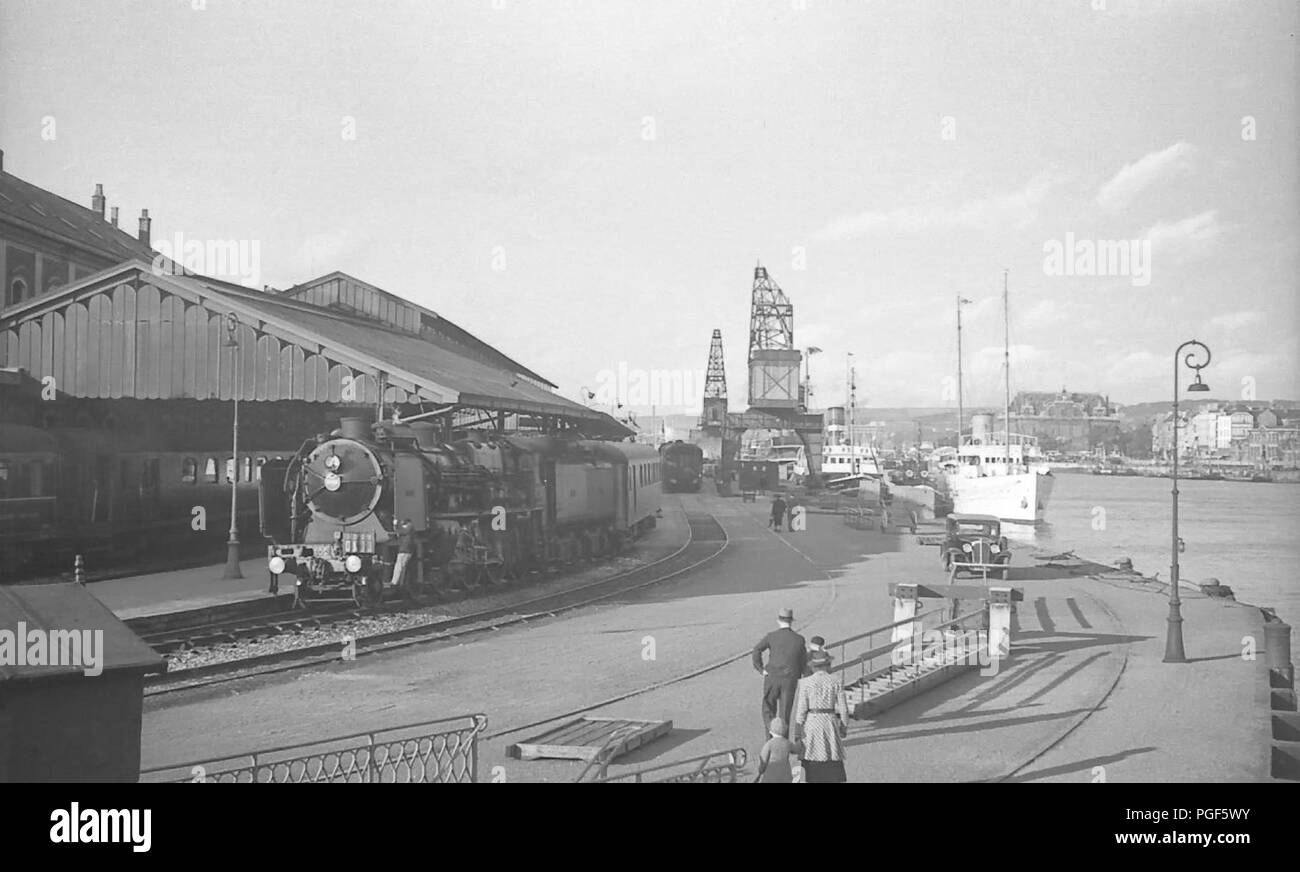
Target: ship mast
{"x":853,"y":399}
{"x":1006,"y":364}
{"x":961,"y":415}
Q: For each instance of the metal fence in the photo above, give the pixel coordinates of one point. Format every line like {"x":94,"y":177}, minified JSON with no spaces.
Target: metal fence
{"x":444,"y":751}
{"x":895,"y":646}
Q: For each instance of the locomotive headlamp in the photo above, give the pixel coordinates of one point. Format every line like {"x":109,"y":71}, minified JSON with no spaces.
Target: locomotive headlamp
{"x":333,"y":482}
{"x":333,"y":462}
{"x":353,"y":563}
{"x":276,"y":565}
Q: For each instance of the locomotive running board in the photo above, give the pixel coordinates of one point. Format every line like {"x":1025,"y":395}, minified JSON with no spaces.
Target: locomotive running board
{"x":586,"y":738}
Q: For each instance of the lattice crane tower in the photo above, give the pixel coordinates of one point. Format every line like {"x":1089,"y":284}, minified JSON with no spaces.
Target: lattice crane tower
{"x":773,"y":359}
{"x":715,"y":387}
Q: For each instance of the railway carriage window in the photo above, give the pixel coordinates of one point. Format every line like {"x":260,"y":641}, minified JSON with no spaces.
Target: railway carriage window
{"x":5,"y":470}
{"x":230,"y":470}
{"x":257,"y":473}
{"x":35,"y":479}
{"x":149,"y":475}
{"x":247,"y":471}
{"x":189,"y":471}
{"x":210,"y":471}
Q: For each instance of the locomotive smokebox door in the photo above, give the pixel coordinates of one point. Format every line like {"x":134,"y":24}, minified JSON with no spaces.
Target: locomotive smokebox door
{"x":408,"y":486}
{"x":273,"y":502}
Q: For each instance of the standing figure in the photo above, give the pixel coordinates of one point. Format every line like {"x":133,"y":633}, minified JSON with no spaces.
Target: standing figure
{"x":822,"y":714}
{"x":789,"y":512}
{"x":785,"y":662}
{"x":405,"y":548}
{"x":778,"y":512}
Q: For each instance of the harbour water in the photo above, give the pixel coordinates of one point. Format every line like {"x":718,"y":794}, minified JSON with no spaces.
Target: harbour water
{"x":1244,"y":534}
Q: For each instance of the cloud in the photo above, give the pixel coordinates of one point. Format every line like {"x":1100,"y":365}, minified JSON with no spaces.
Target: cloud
{"x":1195,"y":228}
{"x":1016,"y":207}
{"x":1234,"y":320}
{"x":1130,"y":181}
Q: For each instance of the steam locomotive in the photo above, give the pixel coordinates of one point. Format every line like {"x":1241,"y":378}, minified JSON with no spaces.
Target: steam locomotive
{"x":683,"y":466}
{"x":470,"y":513}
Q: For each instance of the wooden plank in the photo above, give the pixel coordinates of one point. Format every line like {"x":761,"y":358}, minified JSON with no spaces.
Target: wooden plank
{"x":166,"y":340}
{"x":146,"y":342}
{"x":299,"y":372}
{"x":177,"y":367}
{"x":129,"y":331}
{"x":261,"y":369}
{"x":29,"y":347}
{"x":59,"y":350}
{"x":586,"y":738}
{"x":336,"y":374}
{"x":286,"y":373}
{"x":70,"y":349}
{"x":10,"y":348}
{"x":196,"y":319}
{"x":212,"y":348}
{"x":117,"y":345}
{"x":47,"y":344}
{"x":84,"y":352}
{"x":247,"y":362}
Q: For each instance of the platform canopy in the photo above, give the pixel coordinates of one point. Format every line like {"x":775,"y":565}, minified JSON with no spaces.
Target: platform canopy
{"x":129,"y":332}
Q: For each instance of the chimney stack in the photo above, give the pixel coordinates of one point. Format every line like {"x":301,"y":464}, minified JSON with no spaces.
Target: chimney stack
{"x":97,"y":202}
{"x":113,"y":213}
{"x":2,"y":160}
{"x":145,"y":221}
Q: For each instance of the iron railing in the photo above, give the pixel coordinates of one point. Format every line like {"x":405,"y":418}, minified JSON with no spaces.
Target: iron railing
{"x":902,"y":648}
{"x":431,"y":752}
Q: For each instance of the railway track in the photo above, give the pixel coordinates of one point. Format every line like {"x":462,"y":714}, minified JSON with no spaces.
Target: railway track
{"x":707,"y":541}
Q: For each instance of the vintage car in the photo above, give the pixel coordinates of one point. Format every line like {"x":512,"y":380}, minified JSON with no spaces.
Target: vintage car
{"x":975,"y":544}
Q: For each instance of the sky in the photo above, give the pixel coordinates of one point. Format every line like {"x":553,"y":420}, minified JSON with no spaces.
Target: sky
{"x":588,"y":186}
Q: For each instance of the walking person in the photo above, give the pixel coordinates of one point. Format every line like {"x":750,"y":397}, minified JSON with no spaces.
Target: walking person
{"x":822,"y":714}
{"x":815,"y":644}
{"x":785,"y":663}
{"x":774,"y":758}
{"x":778,"y":512}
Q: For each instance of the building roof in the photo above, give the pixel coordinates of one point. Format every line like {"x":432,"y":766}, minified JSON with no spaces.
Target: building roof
{"x":40,"y":211}
{"x":54,"y":607}
{"x":423,"y":316}
{"x":425,"y":365}
{"x":440,"y":362}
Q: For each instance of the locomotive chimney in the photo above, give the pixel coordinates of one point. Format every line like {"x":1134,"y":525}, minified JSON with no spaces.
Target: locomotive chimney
{"x":355,"y":427}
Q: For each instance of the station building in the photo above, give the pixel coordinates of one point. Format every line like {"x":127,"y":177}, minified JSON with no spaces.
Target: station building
{"x":99,"y":333}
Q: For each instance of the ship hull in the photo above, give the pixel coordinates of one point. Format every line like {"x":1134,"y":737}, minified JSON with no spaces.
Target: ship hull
{"x":1019,"y":498}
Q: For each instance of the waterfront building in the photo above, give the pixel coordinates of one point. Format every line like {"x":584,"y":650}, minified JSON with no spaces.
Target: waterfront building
{"x":1066,"y":421}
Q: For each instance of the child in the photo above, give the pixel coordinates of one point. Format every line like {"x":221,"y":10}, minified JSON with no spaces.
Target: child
{"x":774,"y":759}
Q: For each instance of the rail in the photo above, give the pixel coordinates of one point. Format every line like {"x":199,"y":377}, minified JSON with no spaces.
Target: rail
{"x":430,"y":752}
{"x":896,"y":646}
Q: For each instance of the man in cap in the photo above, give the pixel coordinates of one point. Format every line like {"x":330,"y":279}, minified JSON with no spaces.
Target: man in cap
{"x":405,"y":548}
{"x":786,"y":658}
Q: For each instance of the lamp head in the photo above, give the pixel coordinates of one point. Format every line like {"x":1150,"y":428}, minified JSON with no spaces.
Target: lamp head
{"x":1198,"y":386}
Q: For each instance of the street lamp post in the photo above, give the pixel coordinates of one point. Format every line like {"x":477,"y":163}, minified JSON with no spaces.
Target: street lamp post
{"x":1174,"y":626}
{"x":232,"y":544}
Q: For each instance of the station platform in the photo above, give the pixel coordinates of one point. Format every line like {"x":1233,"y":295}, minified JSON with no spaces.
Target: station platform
{"x":182,"y":590}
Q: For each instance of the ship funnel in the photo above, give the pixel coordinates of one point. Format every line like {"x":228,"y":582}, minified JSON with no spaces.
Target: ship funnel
{"x":980,"y":427}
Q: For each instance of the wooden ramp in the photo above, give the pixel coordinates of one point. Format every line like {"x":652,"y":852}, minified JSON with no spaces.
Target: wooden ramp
{"x":587,"y":737}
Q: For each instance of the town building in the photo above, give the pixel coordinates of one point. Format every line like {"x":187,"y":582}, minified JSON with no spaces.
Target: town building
{"x":1066,"y":421}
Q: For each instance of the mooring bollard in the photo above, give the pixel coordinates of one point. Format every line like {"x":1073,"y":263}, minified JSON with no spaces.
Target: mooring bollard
{"x":905,"y":608}
{"x":999,"y":622}
{"x":1277,"y":641}
{"x":79,"y":570}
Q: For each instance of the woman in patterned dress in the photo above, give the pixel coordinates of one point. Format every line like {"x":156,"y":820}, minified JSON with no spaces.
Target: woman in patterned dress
{"x":822,"y":714}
